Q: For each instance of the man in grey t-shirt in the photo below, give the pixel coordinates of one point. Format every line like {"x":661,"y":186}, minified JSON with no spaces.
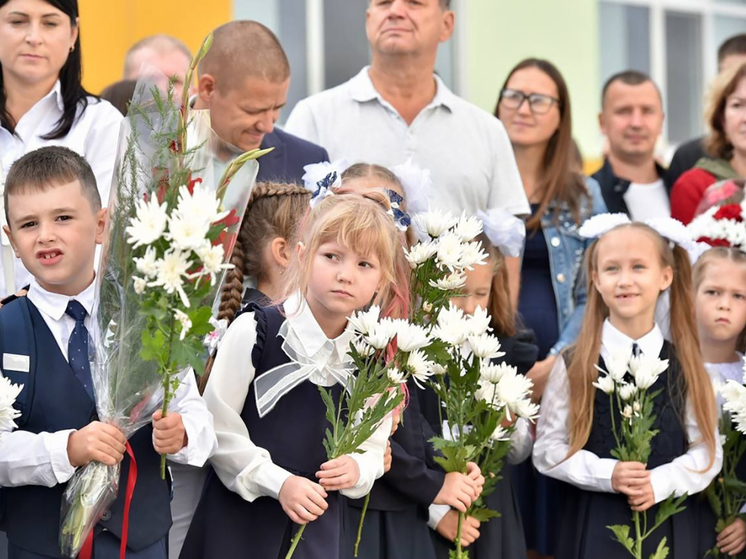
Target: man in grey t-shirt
{"x":397,"y":109}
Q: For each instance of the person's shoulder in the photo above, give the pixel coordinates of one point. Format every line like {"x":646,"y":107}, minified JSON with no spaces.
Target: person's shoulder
{"x":690,"y":149}
{"x":695,"y":176}
{"x":298,"y":144}
{"x":327,"y":99}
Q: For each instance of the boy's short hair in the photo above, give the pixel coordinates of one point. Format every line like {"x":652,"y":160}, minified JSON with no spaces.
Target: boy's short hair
{"x":48,"y":167}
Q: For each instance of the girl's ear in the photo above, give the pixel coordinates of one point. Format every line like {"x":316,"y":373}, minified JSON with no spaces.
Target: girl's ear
{"x":279,"y":250}
{"x":667,"y":278}
{"x":594,"y":279}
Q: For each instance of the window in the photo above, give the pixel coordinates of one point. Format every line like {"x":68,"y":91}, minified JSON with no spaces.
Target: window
{"x":676,"y":42}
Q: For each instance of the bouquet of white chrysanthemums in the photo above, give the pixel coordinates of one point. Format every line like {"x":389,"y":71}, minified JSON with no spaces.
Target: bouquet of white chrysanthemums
{"x":480,"y":401}
{"x":384,"y":353}
{"x":727,"y":493}
{"x":172,"y":224}
{"x":628,"y":381}
{"x":8,"y":394}
{"x":440,"y":260}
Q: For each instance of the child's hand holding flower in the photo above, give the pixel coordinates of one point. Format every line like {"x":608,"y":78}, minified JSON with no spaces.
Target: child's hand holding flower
{"x":340,"y":473}
{"x":169,"y":433}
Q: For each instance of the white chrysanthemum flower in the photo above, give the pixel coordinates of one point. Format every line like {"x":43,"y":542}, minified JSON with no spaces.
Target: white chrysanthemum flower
{"x":527,"y":409}
{"x":479,"y":322}
{"x":636,"y":408}
{"x":485,"y":346}
{"x":365,"y":321}
{"x":8,"y":394}
{"x":212,"y":260}
{"x":382,"y":334}
{"x":493,"y":373}
{"x":186,"y":322}
{"x":363,"y":348}
{"x":419,"y":367}
{"x":500,"y":434}
{"x":627,"y":390}
{"x":149,"y":223}
{"x":438,"y":369}
{"x":472,"y":254}
{"x":732,"y":393}
{"x":627,"y":412}
{"x":468,"y":228}
{"x":172,"y":269}
{"x":646,"y":370}
{"x":512,"y":389}
{"x":450,"y":249}
{"x":605,"y":384}
{"x":451,"y":282}
{"x":421,"y":253}
{"x":140,"y":285}
{"x":434,"y":222}
{"x":618,"y":364}
{"x":452,"y":327}
{"x":201,"y":206}
{"x":146,"y":264}
{"x":410,"y":337}
{"x":396,"y":376}
{"x":186,"y":233}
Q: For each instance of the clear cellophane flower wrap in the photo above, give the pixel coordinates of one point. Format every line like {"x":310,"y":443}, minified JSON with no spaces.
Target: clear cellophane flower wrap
{"x":151,"y":318}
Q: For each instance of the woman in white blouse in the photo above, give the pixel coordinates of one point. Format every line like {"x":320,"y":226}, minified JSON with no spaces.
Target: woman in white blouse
{"x":43,"y":102}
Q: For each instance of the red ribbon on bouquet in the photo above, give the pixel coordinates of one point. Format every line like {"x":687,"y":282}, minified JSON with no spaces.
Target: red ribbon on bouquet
{"x":87,"y":551}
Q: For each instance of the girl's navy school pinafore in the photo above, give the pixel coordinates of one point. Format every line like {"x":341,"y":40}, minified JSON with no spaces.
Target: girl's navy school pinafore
{"x":584,"y":533}
{"x":227,"y":526}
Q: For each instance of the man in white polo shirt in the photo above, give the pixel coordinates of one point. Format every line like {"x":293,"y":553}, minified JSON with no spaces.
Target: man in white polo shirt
{"x":397,"y":109}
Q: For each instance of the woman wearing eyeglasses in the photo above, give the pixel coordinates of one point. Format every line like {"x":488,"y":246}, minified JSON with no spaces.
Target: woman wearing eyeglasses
{"x":534,"y":106}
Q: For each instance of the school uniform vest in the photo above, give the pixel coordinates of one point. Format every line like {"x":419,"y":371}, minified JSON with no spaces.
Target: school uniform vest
{"x":584,"y":533}
{"x":60,"y":402}
{"x":225,"y":525}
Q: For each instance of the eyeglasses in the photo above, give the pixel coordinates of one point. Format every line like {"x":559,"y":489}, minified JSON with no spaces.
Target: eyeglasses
{"x":537,"y":102}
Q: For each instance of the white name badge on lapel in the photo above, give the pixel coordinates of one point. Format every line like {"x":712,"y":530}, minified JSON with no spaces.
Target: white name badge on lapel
{"x":15,"y":362}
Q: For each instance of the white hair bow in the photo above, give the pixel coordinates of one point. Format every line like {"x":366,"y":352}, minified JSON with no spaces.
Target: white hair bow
{"x":417,"y":185}
{"x":504,"y":230}
{"x":667,"y":227}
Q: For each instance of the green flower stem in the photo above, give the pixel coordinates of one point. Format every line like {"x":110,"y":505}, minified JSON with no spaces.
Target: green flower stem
{"x":360,"y":526}
{"x":459,"y":552}
{"x":235,"y":166}
{"x":295,"y":541}
{"x":638,"y":535}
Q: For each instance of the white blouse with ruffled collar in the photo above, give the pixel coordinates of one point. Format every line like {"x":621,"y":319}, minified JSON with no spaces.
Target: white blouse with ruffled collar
{"x":244,"y":467}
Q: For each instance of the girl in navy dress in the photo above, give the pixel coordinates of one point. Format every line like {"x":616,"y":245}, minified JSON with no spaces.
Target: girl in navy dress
{"x":720,"y":301}
{"x":628,"y":267}
{"x":487,"y":288}
{"x":396,"y":521}
{"x":271,"y":469}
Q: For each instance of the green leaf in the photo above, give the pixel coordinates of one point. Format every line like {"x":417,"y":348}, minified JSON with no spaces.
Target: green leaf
{"x":662,"y":551}
{"x":621,"y":534}
{"x":669,"y":507}
{"x":483,"y":514}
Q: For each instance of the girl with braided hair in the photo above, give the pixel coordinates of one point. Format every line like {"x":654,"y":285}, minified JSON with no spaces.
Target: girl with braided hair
{"x":262,"y":252}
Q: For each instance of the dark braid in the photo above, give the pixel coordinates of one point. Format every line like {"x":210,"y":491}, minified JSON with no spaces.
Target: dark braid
{"x":274,"y":210}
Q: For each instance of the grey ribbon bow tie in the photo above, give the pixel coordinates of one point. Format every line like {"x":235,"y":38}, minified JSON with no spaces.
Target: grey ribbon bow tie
{"x":275,"y":383}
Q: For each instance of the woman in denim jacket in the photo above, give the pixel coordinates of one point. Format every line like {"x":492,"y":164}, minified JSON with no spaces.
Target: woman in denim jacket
{"x":534,"y":106}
